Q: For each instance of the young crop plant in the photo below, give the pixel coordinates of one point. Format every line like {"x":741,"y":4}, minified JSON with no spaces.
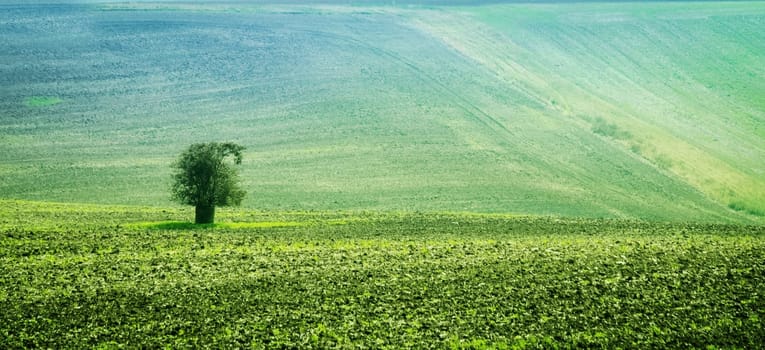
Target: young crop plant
{"x":204,"y":179}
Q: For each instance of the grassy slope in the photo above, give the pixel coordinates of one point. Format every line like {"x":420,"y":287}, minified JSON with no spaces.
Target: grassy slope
{"x":680,"y":84}
{"x":360,"y":108}
{"x":82,"y":276}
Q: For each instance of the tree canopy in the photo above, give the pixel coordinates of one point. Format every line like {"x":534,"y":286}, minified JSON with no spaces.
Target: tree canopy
{"x":204,"y":178}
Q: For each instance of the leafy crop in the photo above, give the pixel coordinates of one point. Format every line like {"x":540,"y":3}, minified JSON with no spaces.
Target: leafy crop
{"x":376,"y":280}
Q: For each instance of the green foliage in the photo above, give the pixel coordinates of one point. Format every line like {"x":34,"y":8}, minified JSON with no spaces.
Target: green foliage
{"x":204,"y":179}
{"x":381,"y":280}
{"x":745,"y":208}
{"x":604,"y":128}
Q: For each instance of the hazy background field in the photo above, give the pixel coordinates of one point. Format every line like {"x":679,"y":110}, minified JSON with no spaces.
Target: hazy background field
{"x":647,"y":110}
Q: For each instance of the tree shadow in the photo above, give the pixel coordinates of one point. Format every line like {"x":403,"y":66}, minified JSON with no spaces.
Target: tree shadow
{"x":174,"y":225}
{"x":185,"y":225}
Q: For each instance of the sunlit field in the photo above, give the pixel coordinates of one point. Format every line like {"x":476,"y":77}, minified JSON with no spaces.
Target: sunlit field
{"x":80,"y":276}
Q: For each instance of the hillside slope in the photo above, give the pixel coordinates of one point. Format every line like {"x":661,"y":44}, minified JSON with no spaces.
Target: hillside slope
{"x":652,"y":111}
{"x":680,"y":85}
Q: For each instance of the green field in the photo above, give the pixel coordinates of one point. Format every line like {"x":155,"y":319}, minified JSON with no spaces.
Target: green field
{"x":83,"y":276}
{"x":629,"y":110}
{"x":486,"y":174}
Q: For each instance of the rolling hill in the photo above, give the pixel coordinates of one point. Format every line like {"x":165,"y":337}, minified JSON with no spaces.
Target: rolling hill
{"x":635,"y":110}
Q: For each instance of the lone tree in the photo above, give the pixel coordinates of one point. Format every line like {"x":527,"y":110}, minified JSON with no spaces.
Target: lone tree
{"x":204,"y":179}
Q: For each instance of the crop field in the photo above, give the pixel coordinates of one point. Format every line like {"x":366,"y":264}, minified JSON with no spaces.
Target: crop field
{"x":650,"y":111}
{"x":81,"y":276}
{"x":487,"y":174}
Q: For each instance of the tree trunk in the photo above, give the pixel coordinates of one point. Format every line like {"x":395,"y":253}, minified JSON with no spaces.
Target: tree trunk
{"x":205,"y":214}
